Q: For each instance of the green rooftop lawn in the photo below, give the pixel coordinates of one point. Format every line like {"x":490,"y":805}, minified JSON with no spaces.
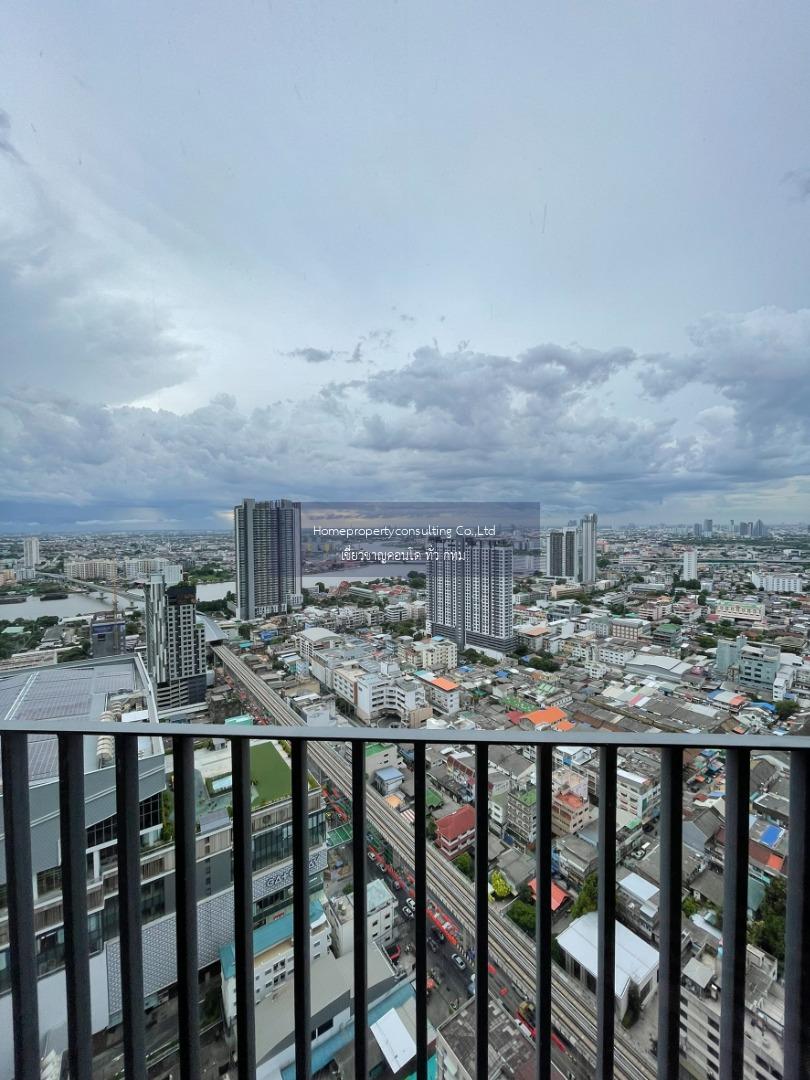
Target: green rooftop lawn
{"x":270,"y":774}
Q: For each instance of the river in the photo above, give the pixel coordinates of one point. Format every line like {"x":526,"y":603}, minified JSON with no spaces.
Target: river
{"x":83,"y":604}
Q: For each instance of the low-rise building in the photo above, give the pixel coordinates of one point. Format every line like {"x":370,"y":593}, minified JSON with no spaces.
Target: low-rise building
{"x":521,"y":816}
{"x":381,"y":907}
{"x":636,"y":964}
{"x":456,"y":832}
{"x":751,"y":612}
{"x":570,"y":803}
{"x":511,"y":1054}
{"x":433,"y":653}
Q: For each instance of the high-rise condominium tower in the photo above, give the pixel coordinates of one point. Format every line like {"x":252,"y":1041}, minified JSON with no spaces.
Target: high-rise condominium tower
{"x":587,"y":532}
{"x":469,"y":592}
{"x":562,"y":553}
{"x":175,"y":643}
{"x":268,"y":557}
{"x":690,"y":565}
{"x":30,"y":552}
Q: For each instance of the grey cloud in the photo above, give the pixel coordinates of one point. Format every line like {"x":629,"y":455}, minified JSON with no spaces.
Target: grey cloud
{"x":799,"y":180}
{"x":6,"y":145}
{"x":312,"y":356}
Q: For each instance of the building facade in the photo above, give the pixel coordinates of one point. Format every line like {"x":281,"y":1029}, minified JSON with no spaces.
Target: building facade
{"x":175,"y":643}
{"x":268,"y":557}
{"x":469,"y":593}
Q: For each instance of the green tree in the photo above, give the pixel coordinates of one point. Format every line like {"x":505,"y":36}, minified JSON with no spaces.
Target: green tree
{"x":465,"y":864}
{"x":786,"y":709}
{"x":525,"y":894}
{"x":430,"y":827}
{"x":523,"y":915}
{"x":690,"y":906}
{"x":245,"y":630}
{"x":588,"y":897}
{"x":767,"y":931}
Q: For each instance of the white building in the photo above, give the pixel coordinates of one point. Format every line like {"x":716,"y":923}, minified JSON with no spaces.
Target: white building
{"x":588,"y":549}
{"x":636,"y":962}
{"x":92,"y":569}
{"x":774,"y":582}
{"x":273,"y":956}
{"x":443,"y":693}
{"x":434,"y":653}
{"x":749,"y":611}
{"x":690,"y":565}
{"x":469,"y":592}
{"x":375,"y":693}
{"x":142,"y":570}
{"x":381,"y":908}
{"x":30,"y":552}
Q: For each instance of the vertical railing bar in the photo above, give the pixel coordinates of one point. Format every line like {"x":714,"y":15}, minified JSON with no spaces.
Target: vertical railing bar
{"x":185,"y":819}
{"x":73,"y":836}
{"x":243,"y":908}
{"x":671,"y":876}
{"x":542,"y":900}
{"x":735,"y":915}
{"x":129,"y":905}
{"x":797,"y":940}
{"x":420,"y":889}
{"x":481,"y":911}
{"x":606,"y":918}
{"x":20,"y":898}
{"x":301,"y":923}
{"x":359,"y":878}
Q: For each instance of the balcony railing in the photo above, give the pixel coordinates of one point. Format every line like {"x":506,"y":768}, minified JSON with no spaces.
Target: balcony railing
{"x":614,"y":1054}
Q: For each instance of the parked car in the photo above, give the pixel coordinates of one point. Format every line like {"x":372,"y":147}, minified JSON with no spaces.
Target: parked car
{"x":406,"y":911}
{"x":459,"y":961}
{"x":411,"y":903}
{"x":433,"y":945}
{"x":372,"y":856}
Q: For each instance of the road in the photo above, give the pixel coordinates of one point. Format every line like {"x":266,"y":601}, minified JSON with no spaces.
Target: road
{"x":572,"y":1012}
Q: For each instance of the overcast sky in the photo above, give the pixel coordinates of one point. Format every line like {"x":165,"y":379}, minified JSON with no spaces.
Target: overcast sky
{"x":367,"y":249}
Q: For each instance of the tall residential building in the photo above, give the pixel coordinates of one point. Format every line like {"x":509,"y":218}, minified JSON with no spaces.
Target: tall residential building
{"x":141,"y":569}
{"x":469,"y":592}
{"x":268,"y":557}
{"x":562,"y":553}
{"x":690,"y":565}
{"x":587,"y":547}
{"x":175,"y":643}
{"x":697,"y":529}
{"x":708,"y":526}
{"x":30,"y":552}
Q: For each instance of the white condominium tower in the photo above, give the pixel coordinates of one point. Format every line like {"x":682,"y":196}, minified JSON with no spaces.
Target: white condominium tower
{"x":30,"y":552}
{"x":587,"y":528}
{"x":469,"y":592}
{"x":690,"y":564}
{"x":268,"y":557}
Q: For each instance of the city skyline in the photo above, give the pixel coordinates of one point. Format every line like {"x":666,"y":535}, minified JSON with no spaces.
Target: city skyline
{"x":572,"y":283}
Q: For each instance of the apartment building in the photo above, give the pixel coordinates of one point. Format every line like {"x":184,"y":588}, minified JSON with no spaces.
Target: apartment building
{"x":469,"y":593}
{"x":273,"y":957}
{"x":763,"y":1031}
{"x":431,"y":654}
{"x":627,"y":629}
{"x":387,"y":691}
{"x":774,"y":582}
{"x":268,"y":557}
{"x":443,"y":694}
{"x":175,"y":643}
{"x":638,"y":793}
{"x":381,"y":909}
{"x":143,"y":569}
{"x":521,"y":816}
{"x":92,"y":569}
{"x":570,"y":803}
{"x":31,"y":557}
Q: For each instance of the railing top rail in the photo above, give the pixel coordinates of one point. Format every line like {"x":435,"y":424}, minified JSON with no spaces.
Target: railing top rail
{"x":442,"y":736}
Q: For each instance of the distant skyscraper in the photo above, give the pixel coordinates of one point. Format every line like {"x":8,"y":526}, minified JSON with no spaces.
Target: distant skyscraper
{"x":30,"y":552}
{"x":697,"y":529}
{"x":587,"y":547}
{"x":561,"y":553}
{"x":708,"y":526}
{"x":268,"y":557}
{"x":759,"y":528}
{"x":107,"y":635}
{"x":469,"y":592}
{"x":175,"y":643}
{"x":690,"y":565}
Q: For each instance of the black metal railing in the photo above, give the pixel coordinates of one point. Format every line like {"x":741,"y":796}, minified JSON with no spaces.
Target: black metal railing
{"x":613,"y":1051}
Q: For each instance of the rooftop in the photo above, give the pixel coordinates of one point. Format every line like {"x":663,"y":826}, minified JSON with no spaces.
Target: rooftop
{"x":635,"y":959}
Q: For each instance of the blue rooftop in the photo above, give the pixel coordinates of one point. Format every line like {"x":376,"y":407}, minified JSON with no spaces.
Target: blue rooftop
{"x":266,"y":937}
{"x":389,"y":773}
